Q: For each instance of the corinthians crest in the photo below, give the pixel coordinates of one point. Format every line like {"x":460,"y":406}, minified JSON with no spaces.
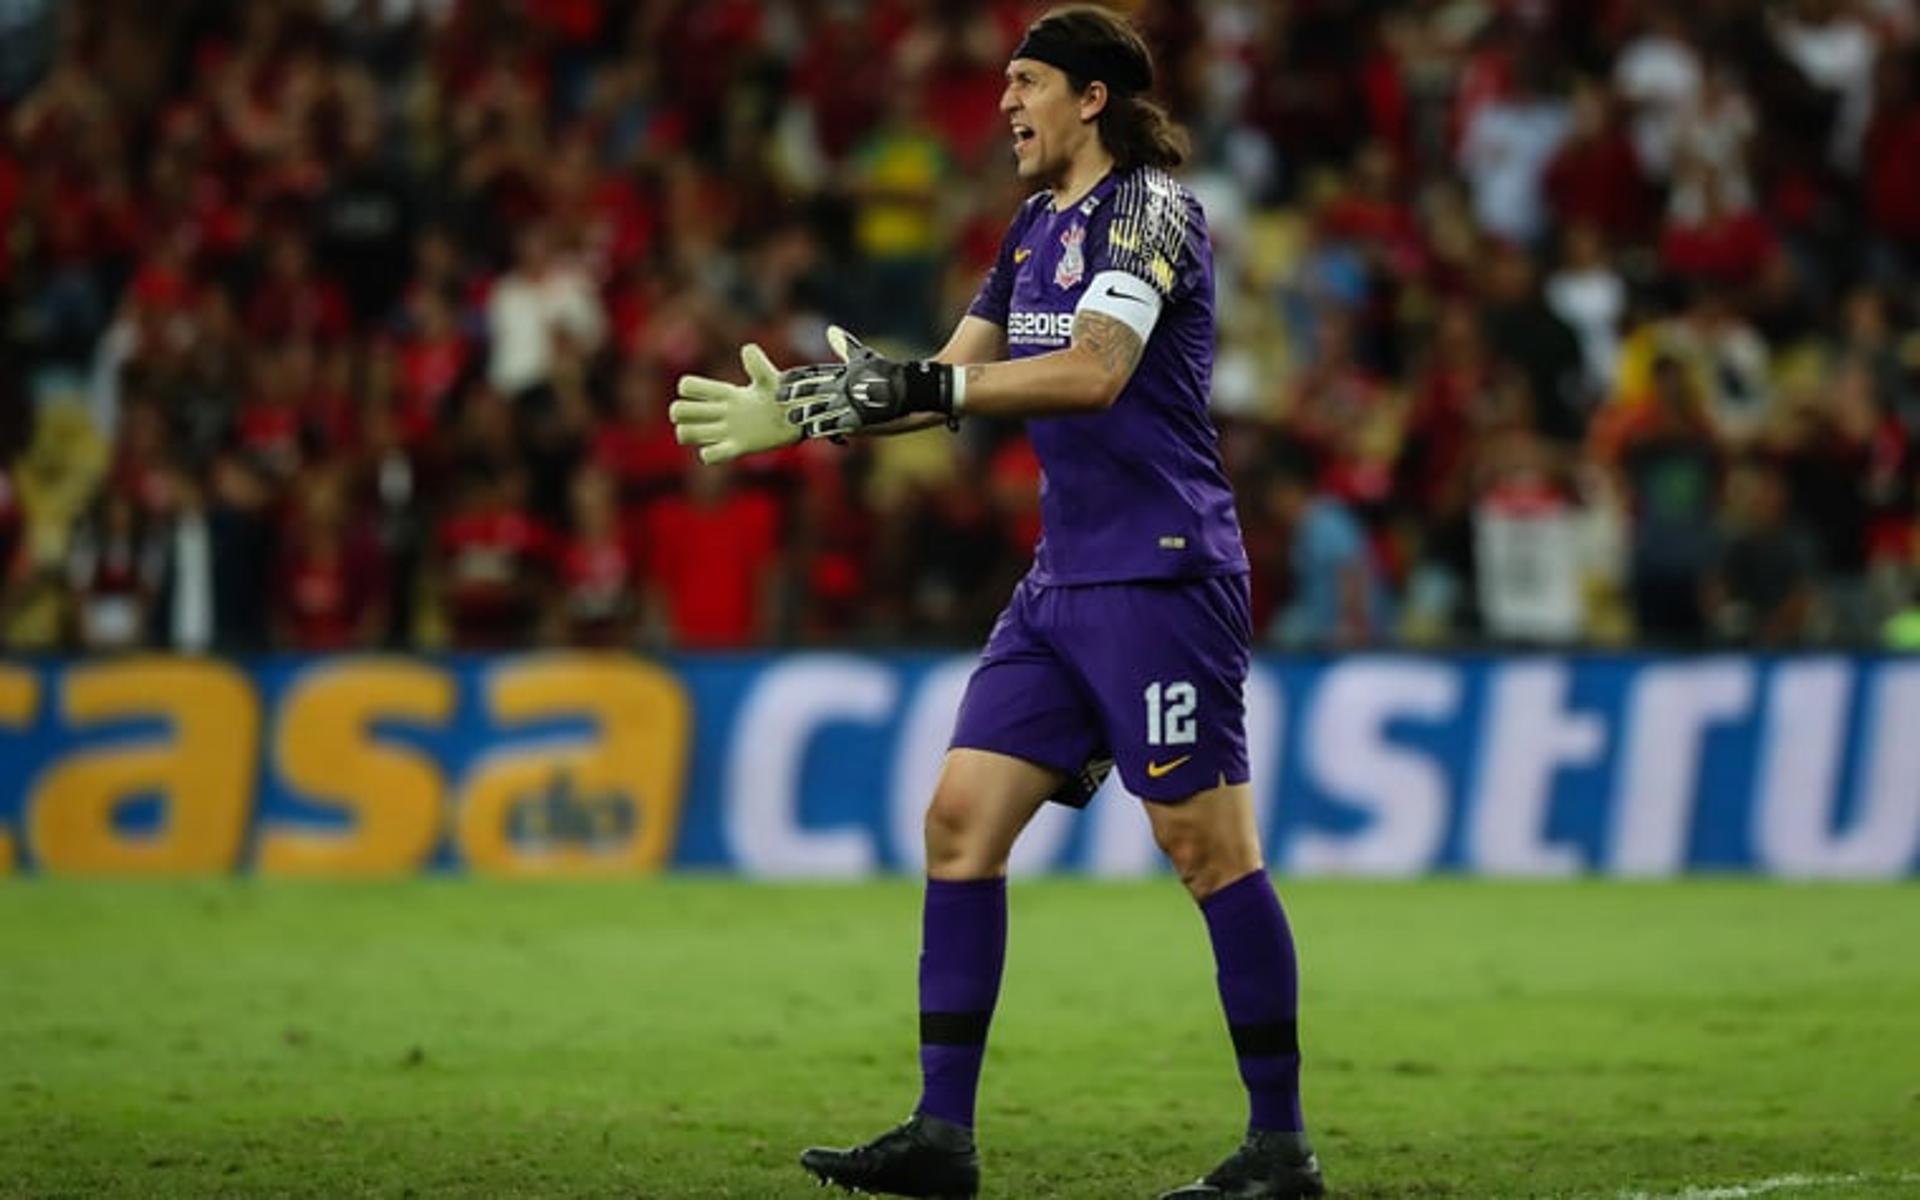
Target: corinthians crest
{"x":1073,"y":264}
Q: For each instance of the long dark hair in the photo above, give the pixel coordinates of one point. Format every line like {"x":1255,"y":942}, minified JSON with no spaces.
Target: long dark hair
{"x":1137,"y":130}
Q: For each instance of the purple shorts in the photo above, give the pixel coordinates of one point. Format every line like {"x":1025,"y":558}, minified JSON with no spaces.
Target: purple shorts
{"x":1149,"y":674}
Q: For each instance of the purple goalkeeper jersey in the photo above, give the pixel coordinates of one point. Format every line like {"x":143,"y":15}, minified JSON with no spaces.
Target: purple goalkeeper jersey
{"x":1137,"y":491}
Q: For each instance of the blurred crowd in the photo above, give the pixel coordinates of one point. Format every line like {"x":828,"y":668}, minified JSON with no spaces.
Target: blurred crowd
{"x":351,"y":323}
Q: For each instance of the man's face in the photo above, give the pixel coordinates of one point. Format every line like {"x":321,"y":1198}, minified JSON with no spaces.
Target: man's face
{"x":1046,"y":119}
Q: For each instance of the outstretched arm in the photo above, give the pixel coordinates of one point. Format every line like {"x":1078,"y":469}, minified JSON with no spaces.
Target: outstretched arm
{"x":1087,"y":376}
{"x":974,"y":340}
{"x":870,"y":393}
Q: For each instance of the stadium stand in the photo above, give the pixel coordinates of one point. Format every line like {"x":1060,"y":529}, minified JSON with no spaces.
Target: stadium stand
{"x":346,"y":323}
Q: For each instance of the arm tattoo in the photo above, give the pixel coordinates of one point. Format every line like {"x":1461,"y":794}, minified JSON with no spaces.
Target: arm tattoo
{"x":974,"y":372}
{"x":1116,"y":347}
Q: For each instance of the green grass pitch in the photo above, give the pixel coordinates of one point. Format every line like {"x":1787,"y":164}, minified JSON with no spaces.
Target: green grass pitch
{"x":686,"y":1037}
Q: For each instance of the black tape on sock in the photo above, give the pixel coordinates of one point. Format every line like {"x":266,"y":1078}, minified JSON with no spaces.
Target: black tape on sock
{"x":954,"y":1028}
{"x":1268,"y":1039}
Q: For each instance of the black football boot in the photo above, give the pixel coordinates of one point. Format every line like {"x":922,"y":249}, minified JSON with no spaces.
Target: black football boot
{"x":1267,"y":1166}
{"x":926,"y":1156}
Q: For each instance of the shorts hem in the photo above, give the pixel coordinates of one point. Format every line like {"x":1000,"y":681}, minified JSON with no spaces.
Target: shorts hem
{"x":958,"y":744}
{"x":1151,"y":796}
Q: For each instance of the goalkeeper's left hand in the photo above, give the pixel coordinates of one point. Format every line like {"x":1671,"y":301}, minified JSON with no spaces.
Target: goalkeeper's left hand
{"x":864,"y":389}
{"x":728,"y":420}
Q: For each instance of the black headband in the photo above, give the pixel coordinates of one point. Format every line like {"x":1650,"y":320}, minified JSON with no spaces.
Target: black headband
{"x":1109,"y":63}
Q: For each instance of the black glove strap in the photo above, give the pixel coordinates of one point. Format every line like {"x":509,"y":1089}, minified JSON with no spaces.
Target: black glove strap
{"x":928,"y":387}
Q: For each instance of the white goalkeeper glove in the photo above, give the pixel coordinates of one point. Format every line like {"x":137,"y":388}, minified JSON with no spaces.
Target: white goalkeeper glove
{"x":729,"y":420}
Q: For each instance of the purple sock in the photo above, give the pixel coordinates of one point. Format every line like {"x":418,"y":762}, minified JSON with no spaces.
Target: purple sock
{"x":1260,"y":990}
{"x":962,"y":949}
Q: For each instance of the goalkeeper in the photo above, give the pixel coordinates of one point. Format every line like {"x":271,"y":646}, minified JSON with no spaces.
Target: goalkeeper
{"x":1127,"y":642}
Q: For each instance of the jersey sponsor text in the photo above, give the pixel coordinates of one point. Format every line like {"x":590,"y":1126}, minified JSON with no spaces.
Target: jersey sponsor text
{"x":1039,"y":327}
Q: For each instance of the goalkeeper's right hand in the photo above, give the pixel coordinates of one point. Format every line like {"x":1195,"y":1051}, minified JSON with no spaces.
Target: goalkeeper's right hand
{"x":729,"y":420}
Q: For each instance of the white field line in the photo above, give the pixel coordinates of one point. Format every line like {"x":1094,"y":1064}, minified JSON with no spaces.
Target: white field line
{"x":1762,"y":1187}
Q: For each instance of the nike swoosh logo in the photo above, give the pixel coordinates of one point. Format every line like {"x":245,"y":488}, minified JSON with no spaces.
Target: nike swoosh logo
{"x":1118,"y":295}
{"x":1020,"y":255}
{"x":1156,"y":770}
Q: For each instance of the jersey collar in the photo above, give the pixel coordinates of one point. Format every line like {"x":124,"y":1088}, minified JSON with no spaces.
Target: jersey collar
{"x":1095,"y":194}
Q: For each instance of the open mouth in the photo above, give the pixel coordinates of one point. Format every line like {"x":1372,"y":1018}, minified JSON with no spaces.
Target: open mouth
{"x":1022,"y":134}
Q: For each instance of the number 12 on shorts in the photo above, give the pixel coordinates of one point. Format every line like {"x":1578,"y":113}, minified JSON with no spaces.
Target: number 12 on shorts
{"x":1170,"y":714}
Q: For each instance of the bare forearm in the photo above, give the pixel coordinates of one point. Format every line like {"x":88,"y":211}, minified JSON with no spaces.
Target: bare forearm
{"x":1085,"y":377}
{"x":1058,"y":383}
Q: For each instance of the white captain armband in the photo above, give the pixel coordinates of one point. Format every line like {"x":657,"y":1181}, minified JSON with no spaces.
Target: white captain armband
{"x":1126,"y":298}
